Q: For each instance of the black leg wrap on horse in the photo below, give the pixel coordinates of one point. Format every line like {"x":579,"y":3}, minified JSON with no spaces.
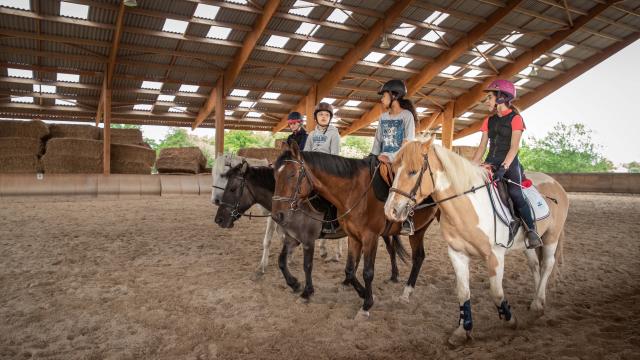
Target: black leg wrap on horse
{"x":465,"y":316}
{"x":504,"y":310}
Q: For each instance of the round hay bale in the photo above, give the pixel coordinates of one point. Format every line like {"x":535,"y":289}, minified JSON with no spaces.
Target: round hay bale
{"x":73,"y":156}
{"x":131,"y":159}
{"x":181,"y":160}
{"x":29,"y":129}
{"x":125,"y":136}
{"x":74,"y":131}
{"x":271,"y":154}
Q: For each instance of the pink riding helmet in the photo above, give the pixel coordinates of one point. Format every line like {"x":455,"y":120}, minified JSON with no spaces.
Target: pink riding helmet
{"x":504,"y":87}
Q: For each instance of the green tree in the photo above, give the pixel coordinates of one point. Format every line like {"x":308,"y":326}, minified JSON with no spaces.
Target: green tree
{"x":235,"y":140}
{"x":566,"y":148}
{"x":356,"y":146}
{"x":632,"y":167}
{"x":176,"y":137}
{"x":124,"y":126}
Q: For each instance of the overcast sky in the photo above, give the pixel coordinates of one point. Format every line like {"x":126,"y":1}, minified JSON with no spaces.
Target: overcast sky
{"x":603,"y":98}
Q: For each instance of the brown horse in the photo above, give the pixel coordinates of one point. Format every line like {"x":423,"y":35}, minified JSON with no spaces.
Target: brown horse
{"x":346,"y":184}
{"x":468,"y":223}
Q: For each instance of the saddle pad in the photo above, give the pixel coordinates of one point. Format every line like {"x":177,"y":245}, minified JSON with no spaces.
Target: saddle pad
{"x":537,"y":203}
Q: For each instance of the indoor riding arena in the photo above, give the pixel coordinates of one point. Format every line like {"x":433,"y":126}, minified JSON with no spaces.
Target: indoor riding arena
{"x":112,"y":250}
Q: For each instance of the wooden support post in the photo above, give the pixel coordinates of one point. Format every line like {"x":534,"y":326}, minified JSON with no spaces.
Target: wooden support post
{"x":447,"y":126}
{"x":106,"y":137}
{"x":219,"y":114}
{"x":310,"y":105}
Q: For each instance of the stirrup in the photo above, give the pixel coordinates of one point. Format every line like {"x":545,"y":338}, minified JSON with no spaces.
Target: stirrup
{"x":537,"y":241}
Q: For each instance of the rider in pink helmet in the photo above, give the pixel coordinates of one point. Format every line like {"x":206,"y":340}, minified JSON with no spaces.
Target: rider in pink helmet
{"x":502,"y":131}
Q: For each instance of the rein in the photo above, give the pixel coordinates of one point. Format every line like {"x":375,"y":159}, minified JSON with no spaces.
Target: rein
{"x":294,"y":201}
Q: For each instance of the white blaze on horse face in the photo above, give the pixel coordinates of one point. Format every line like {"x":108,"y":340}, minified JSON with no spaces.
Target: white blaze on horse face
{"x":396,"y":203}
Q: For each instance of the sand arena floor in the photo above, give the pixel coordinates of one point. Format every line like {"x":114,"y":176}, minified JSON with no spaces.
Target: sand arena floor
{"x":156,"y":279}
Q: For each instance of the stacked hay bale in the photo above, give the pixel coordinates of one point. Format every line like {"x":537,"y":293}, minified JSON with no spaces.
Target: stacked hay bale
{"x":88,"y":132}
{"x":126,"y":137}
{"x":189,"y":160}
{"x":73,"y":156}
{"x":132,"y":159}
{"x":271,"y":154}
{"x":21,"y":146}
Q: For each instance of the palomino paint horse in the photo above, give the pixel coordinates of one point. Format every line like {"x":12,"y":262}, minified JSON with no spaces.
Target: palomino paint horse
{"x":247,"y":185}
{"x":468,"y":224}
{"x":346,"y":183}
{"x":225,"y":162}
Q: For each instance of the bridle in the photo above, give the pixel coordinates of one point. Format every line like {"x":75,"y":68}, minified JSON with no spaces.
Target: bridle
{"x":294,"y":201}
{"x":235,"y":208}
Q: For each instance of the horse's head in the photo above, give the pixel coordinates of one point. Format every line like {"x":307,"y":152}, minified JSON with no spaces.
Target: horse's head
{"x":222,"y":164}
{"x":413,"y":181}
{"x":292,"y":183}
{"x":236,"y":197}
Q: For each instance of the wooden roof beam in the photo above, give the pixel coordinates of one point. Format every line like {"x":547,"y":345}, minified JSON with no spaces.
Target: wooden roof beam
{"x":233,"y":70}
{"x":476,"y":93}
{"x":559,"y":81}
{"x":416,"y":82}
{"x":340,"y":69}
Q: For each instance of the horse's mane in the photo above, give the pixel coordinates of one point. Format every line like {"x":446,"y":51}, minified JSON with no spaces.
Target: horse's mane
{"x":462,"y":174}
{"x":332,"y":164}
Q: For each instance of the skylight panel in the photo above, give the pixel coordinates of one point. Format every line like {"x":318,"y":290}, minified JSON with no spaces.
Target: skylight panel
{"x":312,"y":47}
{"x":485,"y":46}
{"x":205,"y":11}
{"x":404,"y":29}
{"x":175,"y":26}
{"x":307,"y":29}
{"x":563,"y":49}
{"x":301,"y":8}
{"x":152,"y":85}
{"x":271,"y":95}
{"x":505,"y":52}
{"x":539,"y":59}
{"x":554,"y":62}
{"x":467,"y":114}
{"x":239,"y":92}
{"x":66,"y":102}
{"x":473,"y":73}
{"x":433,"y":35}
{"x":242,"y":2}
{"x":17,"y":4}
{"x":254,"y":114}
{"x":451,"y":69}
{"x":403,"y":46}
{"x":353,"y":103}
{"x":20,"y":73}
{"x":436,"y":18}
{"x":477,"y":61}
{"x":228,"y":112}
{"x":166,"y":98}
{"x":526,"y":71}
{"x":74,"y":10}
{"x":374,"y":57}
{"x":178,"y":109}
{"x":219,"y":32}
{"x":513,"y":37}
{"x":277,"y":41}
{"x":49,"y":89}
{"x":188,"y":88}
{"x":247,"y":104}
{"x":22,"y":99}
{"x":521,"y":82}
{"x":420,"y":109}
{"x":339,"y":16}
{"x":328,"y":100}
{"x":402,"y":61}
{"x":142,"y":107}
{"x":68,"y":77}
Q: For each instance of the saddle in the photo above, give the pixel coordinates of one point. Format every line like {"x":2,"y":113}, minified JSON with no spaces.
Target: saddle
{"x":332,"y":229}
{"x":382,"y":179}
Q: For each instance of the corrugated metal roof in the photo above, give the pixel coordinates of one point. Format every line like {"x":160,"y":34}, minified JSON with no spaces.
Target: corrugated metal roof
{"x":147,"y":53}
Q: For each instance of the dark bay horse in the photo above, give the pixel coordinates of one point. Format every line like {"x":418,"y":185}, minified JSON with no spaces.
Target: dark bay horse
{"x":248,"y":185}
{"x":346,"y":184}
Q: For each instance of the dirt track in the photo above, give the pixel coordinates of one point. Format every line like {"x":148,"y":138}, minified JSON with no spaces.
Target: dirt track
{"x":156,"y":279}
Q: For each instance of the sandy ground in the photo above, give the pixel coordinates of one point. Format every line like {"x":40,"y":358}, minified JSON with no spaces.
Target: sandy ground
{"x":156,"y":279}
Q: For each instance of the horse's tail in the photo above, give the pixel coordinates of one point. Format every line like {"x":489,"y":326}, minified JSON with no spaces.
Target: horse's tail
{"x":399,"y":248}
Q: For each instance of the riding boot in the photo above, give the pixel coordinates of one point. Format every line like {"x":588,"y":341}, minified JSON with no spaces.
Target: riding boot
{"x":532,"y":239}
{"x":407,"y":227}
{"x":328,"y":226}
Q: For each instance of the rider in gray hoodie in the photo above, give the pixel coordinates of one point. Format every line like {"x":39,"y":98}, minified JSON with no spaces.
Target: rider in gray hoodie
{"x":325,"y":137}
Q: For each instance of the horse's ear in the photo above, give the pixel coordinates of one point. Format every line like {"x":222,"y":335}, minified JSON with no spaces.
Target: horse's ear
{"x":245,"y":166}
{"x":427,"y":144}
{"x":295,"y":150}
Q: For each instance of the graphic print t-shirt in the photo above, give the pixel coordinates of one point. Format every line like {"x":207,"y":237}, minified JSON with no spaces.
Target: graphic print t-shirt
{"x":392,"y":131}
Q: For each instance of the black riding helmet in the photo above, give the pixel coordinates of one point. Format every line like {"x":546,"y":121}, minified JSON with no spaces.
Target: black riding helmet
{"x":397,"y":88}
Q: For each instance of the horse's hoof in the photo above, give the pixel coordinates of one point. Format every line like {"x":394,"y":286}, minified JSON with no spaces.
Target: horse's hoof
{"x":306,"y":294}
{"x":394,"y":279}
{"x":362,"y":315}
{"x":537,"y":307}
{"x":404,"y":299}
{"x":295,"y":287}
{"x":459,"y":337}
{"x":332,"y":259}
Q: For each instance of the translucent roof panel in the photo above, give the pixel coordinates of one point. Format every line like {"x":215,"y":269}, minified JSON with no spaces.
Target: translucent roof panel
{"x":74,"y":10}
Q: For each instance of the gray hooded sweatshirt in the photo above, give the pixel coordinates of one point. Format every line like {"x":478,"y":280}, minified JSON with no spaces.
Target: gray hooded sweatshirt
{"x":327,"y":142}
